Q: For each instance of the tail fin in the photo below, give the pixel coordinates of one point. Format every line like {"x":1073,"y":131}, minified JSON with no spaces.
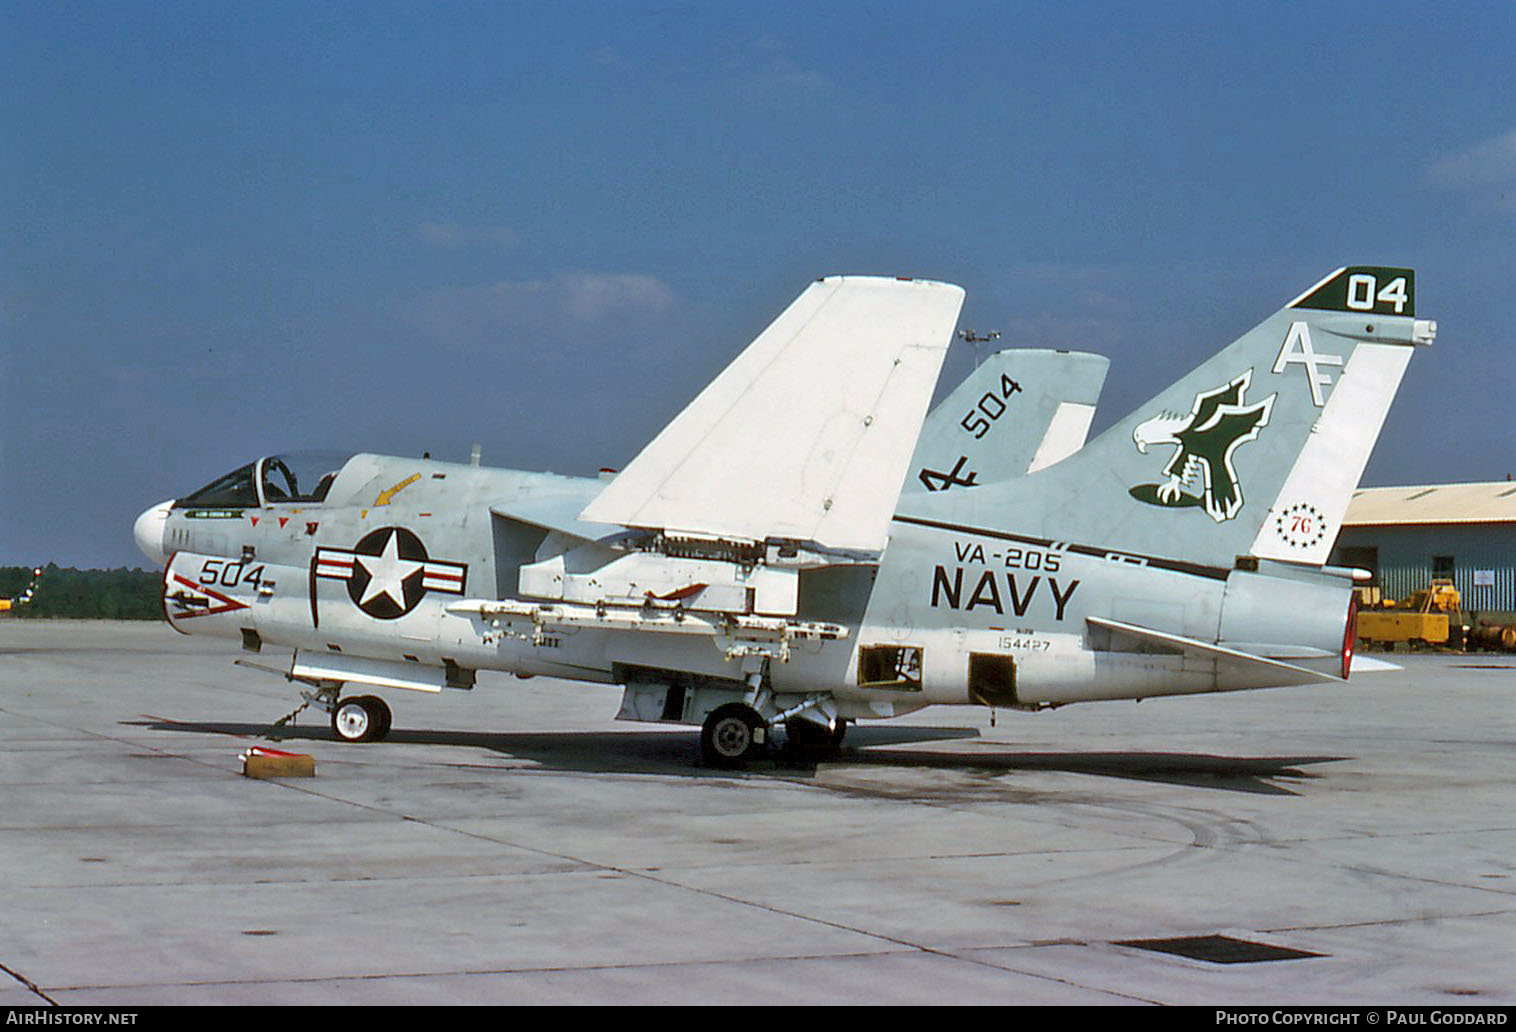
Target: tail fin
{"x":1021,"y":410}
{"x":1256,"y":452}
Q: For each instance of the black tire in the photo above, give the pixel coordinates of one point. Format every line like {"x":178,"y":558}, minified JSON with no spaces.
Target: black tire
{"x":732,"y":736}
{"x":804,"y":734}
{"x":381,"y":711}
{"x":363,"y":718}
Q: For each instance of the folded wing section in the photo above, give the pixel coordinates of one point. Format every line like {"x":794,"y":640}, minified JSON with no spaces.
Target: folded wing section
{"x":807,"y":435}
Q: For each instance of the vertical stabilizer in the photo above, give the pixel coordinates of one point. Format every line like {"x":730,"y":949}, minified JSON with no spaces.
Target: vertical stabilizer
{"x":1020,"y":411}
{"x":1256,"y":452}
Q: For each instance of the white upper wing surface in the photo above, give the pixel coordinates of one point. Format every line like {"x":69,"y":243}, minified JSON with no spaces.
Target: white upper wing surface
{"x":808,"y":433}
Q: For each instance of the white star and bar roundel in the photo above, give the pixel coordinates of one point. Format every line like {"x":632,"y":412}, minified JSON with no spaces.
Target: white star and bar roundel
{"x":388,"y":572}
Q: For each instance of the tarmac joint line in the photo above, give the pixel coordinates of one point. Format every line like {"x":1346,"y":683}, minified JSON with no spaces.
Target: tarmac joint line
{"x":29,"y":984}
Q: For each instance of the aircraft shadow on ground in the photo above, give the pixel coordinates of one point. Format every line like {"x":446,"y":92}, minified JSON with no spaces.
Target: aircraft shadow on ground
{"x":669,"y":753}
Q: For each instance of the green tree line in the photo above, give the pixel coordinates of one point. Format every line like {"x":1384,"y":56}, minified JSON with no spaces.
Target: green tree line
{"x":120,"y":594}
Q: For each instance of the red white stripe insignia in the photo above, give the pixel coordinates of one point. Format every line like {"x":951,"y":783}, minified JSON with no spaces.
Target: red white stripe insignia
{"x":436,"y":575}
{"x":334,"y":562}
{"x":445,"y":577}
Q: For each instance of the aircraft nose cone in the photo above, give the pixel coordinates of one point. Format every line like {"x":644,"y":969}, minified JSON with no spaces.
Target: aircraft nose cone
{"x":149,"y":530}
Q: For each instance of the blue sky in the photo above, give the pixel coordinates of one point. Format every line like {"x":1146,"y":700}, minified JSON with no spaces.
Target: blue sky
{"x":233,"y":229}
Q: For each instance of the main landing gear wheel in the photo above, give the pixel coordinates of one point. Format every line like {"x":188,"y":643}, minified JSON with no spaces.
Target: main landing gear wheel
{"x":363,"y":718}
{"x":732,"y":736}
{"x":807,"y":735}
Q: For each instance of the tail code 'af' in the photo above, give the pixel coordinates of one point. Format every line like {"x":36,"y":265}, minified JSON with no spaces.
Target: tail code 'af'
{"x":1256,"y":452}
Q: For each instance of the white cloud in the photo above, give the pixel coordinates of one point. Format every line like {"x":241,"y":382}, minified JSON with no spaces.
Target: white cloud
{"x":586,"y":296}
{"x":1485,"y":172}
{"x":772,"y":70}
{"x":786,"y":76}
{"x":609,"y":57}
{"x":580,"y":297}
{"x":455,"y":237}
{"x":589,"y":296}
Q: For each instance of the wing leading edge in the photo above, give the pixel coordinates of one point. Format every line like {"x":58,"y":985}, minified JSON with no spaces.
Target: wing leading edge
{"x":807,"y":435}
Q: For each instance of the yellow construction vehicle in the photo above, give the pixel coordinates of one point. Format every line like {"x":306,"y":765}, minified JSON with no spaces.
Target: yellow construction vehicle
{"x":1422,"y":618}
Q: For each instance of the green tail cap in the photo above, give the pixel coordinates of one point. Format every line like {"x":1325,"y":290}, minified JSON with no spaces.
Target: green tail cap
{"x":1365,"y":289}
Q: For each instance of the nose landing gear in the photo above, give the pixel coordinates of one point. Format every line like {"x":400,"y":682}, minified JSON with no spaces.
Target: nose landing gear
{"x":361,"y":718}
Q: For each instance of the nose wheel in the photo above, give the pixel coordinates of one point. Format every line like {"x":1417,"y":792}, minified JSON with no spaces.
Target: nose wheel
{"x":362,"y":718}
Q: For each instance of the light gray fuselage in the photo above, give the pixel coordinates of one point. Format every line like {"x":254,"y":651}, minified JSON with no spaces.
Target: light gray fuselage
{"x":941,"y":595}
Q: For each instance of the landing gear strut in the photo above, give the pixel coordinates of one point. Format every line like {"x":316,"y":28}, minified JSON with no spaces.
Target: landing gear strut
{"x":362,"y":718}
{"x":732,"y":736}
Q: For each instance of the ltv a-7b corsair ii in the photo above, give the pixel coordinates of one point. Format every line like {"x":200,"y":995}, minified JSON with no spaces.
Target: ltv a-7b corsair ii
{"x":803,"y":547}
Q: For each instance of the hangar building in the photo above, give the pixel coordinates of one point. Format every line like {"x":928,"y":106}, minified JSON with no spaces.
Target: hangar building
{"x":1408,"y":536}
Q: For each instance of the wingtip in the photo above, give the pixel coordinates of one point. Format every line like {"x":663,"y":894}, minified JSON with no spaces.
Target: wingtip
{"x":890,"y":281}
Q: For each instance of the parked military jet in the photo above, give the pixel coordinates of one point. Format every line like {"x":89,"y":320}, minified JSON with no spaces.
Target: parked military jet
{"x":757,"y":564}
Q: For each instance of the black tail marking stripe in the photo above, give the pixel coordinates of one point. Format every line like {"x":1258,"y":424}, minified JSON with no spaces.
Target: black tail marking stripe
{"x":1153,"y":561}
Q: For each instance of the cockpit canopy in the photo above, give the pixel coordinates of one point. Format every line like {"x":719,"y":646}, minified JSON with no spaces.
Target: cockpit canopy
{"x":276,"y":479}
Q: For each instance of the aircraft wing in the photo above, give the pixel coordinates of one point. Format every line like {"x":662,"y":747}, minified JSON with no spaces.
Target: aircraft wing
{"x":807,"y":435}
{"x":558,"y":512}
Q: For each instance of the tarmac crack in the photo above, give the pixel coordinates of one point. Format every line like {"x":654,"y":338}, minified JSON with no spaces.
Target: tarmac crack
{"x":642,"y":875}
{"x":1390,"y":922}
{"x":18,"y":976}
{"x":671,"y":965}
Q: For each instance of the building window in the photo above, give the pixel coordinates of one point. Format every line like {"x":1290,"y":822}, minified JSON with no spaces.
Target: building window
{"x":1360,"y":557}
{"x":1442,"y":567}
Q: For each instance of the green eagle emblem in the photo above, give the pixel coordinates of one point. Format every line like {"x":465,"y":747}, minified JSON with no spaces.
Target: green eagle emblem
{"x":1200,"y":473}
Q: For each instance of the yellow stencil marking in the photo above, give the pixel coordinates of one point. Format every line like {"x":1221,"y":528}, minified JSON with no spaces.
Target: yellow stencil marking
{"x":386,"y":495}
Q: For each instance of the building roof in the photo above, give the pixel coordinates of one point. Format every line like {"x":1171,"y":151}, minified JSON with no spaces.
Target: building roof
{"x":1493,"y":502}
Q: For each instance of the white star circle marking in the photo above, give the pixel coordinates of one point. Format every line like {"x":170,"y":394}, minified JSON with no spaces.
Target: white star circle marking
{"x":387,"y":572}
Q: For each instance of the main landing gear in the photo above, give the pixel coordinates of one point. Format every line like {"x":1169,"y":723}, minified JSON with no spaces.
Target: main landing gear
{"x":734,"y":735}
{"x":361,"y":718}
{"x":814,"y":738}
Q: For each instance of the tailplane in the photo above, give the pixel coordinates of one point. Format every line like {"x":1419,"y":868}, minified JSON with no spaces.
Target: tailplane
{"x":1255,"y":453}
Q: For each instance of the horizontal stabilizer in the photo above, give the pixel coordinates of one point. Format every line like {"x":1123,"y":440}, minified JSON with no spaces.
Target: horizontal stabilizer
{"x":807,"y":434}
{"x":1277,"y":672}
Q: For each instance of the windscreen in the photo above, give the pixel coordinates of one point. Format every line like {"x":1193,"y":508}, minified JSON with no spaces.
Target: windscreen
{"x":301,"y":476}
{"x":232,"y":491}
